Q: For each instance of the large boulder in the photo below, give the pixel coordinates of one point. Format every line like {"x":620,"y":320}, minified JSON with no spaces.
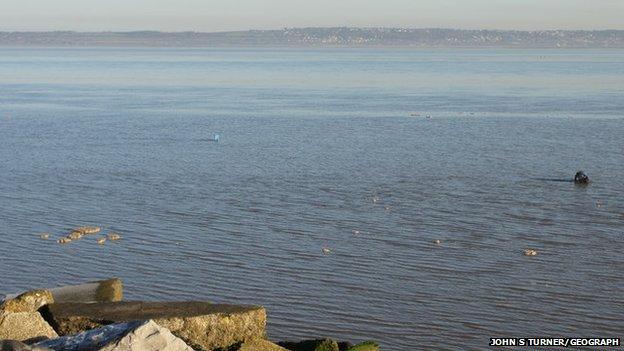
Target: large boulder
{"x":132,"y":336}
{"x":24,"y":326}
{"x":202,"y":325}
{"x":29,"y":301}
{"x":14,"y":345}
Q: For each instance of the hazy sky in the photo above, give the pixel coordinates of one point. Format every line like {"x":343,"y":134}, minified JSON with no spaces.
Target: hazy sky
{"x":219,"y":15}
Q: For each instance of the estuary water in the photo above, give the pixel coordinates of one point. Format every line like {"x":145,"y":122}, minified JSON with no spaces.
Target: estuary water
{"x":373,"y":154}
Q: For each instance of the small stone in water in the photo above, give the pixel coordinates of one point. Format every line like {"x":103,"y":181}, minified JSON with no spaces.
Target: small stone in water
{"x":113,"y":236}
{"x":437,"y":241}
{"x":530,"y":252}
{"x":101,"y":241}
{"x":88,"y":230}
{"x":75,"y":235}
{"x":44,"y":236}
{"x":326,"y":250}
{"x":64,"y":240}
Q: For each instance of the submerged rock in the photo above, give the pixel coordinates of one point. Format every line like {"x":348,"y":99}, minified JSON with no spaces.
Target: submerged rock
{"x":202,"y":325}
{"x":24,"y":326}
{"x":132,"y":336}
{"x":87,"y":230}
{"x":530,"y":252}
{"x":75,"y":235}
{"x":114,"y":236}
{"x":78,"y":233}
{"x":65,"y":240}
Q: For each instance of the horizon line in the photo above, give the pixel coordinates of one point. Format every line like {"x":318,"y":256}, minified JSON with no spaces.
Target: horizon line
{"x":307,"y":27}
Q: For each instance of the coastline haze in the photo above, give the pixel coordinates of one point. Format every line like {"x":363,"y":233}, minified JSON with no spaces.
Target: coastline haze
{"x":211,"y":16}
{"x":118,"y":138}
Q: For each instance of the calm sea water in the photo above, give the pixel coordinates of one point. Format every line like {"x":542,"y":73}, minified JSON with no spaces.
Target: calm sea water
{"x":119,"y":138}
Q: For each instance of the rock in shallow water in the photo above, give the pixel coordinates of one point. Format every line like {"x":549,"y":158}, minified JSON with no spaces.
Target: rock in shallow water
{"x":202,"y":325}
{"x":87,"y":230}
{"x":132,"y":336}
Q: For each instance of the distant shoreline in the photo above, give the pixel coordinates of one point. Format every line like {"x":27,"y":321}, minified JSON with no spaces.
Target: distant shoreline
{"x":326,"y":38}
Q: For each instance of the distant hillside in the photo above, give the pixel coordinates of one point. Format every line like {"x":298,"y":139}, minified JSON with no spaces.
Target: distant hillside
{"x":327,"y":37}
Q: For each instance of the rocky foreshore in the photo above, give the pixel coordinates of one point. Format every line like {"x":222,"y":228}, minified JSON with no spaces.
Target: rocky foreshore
{"x":93,"y":316}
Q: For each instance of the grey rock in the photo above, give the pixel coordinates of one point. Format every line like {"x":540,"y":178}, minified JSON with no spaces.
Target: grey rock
{"x":132,"y":336}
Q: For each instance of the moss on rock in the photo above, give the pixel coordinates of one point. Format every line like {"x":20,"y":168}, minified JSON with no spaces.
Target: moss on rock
{"x":365,"y":346}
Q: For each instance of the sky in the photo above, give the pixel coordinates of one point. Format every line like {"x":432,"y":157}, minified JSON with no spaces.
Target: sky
{"x":225,"y":15}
